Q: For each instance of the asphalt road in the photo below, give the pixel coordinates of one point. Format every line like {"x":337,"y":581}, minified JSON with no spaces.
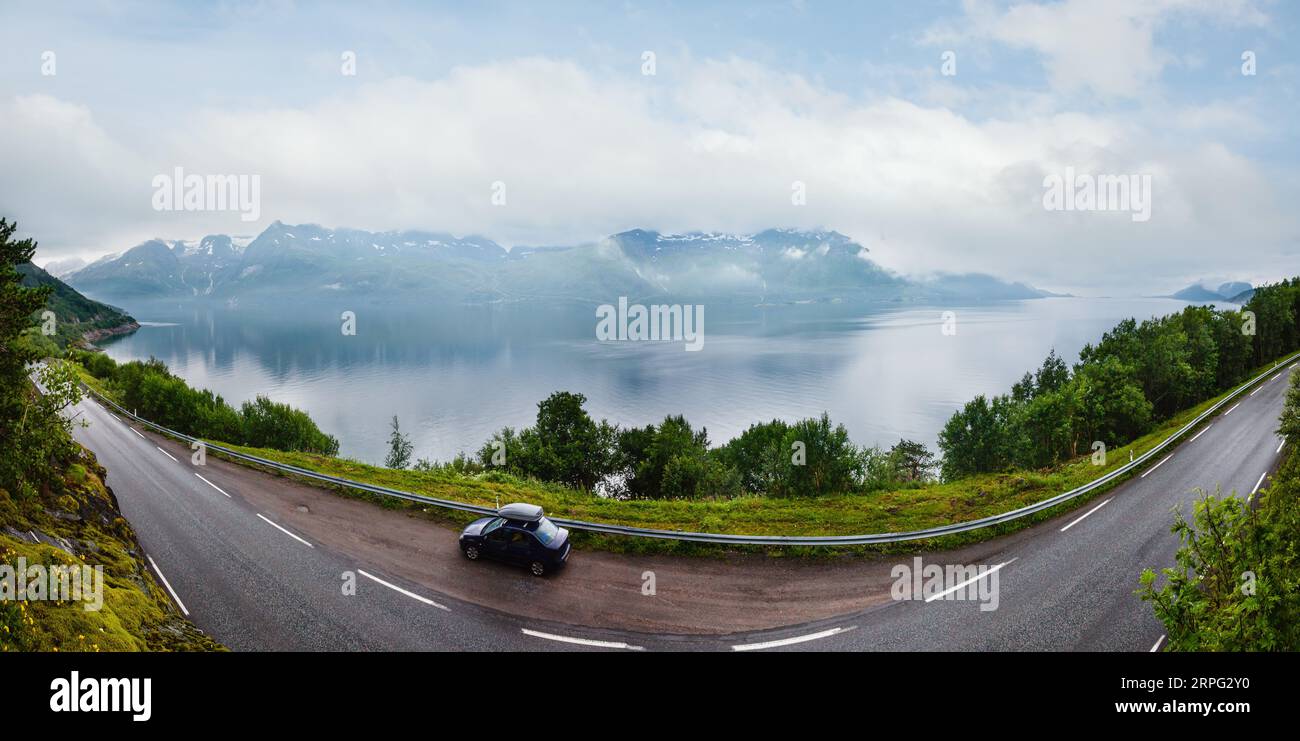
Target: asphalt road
{"x":262,"y":563}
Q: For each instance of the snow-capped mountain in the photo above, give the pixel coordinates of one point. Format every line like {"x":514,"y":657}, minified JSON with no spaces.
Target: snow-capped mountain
{"x":776,"y":265}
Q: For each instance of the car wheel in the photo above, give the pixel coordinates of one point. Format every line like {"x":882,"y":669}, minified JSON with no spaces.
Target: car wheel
{"x":471,"y":552}
{"x":538,"y":568}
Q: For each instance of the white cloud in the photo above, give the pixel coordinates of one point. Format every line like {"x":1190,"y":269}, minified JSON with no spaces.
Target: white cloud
{"x":584,"y":154}
{"x":1105,"y":47}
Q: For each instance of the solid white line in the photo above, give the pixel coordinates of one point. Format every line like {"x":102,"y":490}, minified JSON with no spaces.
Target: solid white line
{"x":950,"y":590}
{"x":214,"y":486}
{"x":1159,"y":641}
{"x":790,"y":641}
{"x":581,"y":641}
{"x":286,"y":532}
{"x":1234,"y":406}
{"x":1202,"y":432}
{"x":396,"y":588}
{"x":1257,"y":483}
{"x":132,"y":429}
{"x":1279,"y":446}
{"x":170,"y":591}
{"x":169,"y":455}
{"x":1158,"y":465}
{"x":1094,"y":509}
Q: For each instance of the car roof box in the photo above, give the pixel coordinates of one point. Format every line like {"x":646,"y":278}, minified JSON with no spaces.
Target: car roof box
{"x":521,"y":511}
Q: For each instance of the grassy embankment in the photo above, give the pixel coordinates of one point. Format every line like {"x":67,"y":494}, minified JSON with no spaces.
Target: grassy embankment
{"x":898,"y":510}
{"x":81,"y":518}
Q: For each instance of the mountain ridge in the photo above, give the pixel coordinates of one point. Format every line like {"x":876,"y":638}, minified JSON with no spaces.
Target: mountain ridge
{"x":779,"y":265}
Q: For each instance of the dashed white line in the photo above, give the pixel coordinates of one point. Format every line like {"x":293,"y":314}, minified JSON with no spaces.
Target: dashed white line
{"x":1234,"y":406}
{"x":169,"y":455}
{"x":29,"y":532}
{"x":1158,"y":465}
{"x":1279,"y":446}
{"x":581,"y":641}
{"x":1085,"y":514}
{"x":286,"y":532}
{"x":791,"y":641}
{"x":1257,"y":483}
{"x":1159,"y":641}
{"x":1202,"y":432}
{"x":132,"y":429}
{"x":396,"y":588}
{"x":950,"y":590}
{"x":170,"y":591}
{"x":214,"y":486}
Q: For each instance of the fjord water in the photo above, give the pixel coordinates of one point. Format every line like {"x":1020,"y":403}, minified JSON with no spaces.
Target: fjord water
{"x":454,"y":374}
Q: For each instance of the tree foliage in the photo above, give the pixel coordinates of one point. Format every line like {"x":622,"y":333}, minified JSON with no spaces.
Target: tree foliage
{"x":1138,"y":374}
{"x":1236,"y":586}
{"x":150,"y":390}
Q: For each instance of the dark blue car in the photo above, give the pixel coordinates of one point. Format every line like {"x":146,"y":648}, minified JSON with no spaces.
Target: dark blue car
{"x":519,"y":533}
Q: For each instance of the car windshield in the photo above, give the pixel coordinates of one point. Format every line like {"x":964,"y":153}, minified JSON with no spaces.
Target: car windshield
{"x":493,"y":525}
{"x":546,"y":531}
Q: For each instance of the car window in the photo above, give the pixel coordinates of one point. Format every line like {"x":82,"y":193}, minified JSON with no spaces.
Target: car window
{"x":501,"y":534}
{"x":520,"y":539}
{"x":546,"y":531}
{"x":493,"y":525}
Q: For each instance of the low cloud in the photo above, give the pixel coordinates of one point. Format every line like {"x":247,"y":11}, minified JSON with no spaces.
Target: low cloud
{"x":582,"y":154}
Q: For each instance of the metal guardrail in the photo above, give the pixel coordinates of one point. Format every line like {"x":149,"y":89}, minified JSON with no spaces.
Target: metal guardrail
{"x":786,"y":540}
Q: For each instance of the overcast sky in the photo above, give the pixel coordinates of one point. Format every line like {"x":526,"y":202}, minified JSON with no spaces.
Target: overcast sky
{"x":932,"y":172}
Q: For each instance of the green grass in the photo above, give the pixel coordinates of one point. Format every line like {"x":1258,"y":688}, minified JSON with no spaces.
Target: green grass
{"x":900,"y":510}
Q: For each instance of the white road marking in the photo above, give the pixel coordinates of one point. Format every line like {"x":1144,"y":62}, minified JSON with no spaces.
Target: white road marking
{"x":132,"y":429}
{"x":214,"y":486}
{"x":1158,"y":465}
{"x":1257,"y":388}
{"x":791,"y":641}
{"x":286,"y":532}
{"x":1274,"y":378}
{"x":581,"y":641}
{"x":950,"y":590}
{"x":29,"y":532}
{"x":169,"y":455}
{"x":1257,"y":483}
{"x":170,"y":591}
{"x":396,"y":588}
{"x":1234,"y":406}
{"x":1159,"y":641}
{"x":1094,"y":509}
{"x":1202,"y":432}
{"x":1279,"y":446}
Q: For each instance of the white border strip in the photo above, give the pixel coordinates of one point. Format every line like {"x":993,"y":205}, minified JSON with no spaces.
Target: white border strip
{"x":286,"y":532}
{"x":396,"y":588}
{"x":214,"y":486}
{"x":1085,"y":514}
{"x":791,"y":641}
{"x":580,"y":641}
{"x":170,"y":591}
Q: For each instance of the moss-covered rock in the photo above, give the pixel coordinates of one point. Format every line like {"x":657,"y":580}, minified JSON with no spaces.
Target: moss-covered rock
{"x":75,"y":522}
